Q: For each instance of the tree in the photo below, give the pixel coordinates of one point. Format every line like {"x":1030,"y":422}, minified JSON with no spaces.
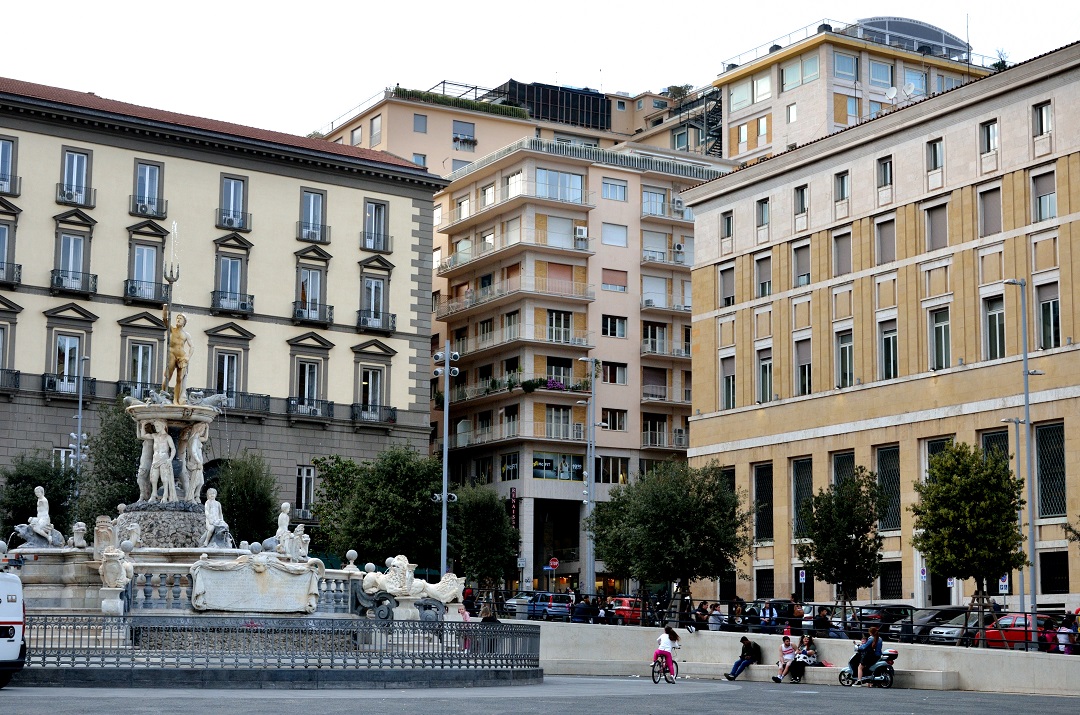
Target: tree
{"x":248,"y":495}
{"x":110,"y":477}
{"x":678,"y":91}
{"x":675,"y":523}
{"x":485,"y":540}
{"x":17,"y":500}
{"x":965,"y":517}
{"x":837,"y":532}
{"x":1002,"y":60}
{"x":381,"y":508}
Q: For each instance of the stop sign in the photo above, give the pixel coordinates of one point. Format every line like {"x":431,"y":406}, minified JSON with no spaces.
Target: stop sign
{"x":554,"y":563}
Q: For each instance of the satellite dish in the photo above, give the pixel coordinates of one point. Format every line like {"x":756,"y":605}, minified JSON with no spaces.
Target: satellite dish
{"x":891,"y":93}
{"x":909,"y":89}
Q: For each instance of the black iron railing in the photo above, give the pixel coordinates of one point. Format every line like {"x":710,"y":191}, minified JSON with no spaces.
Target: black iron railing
{"x":234,"y":220}
{"x":373,"y":413}
{"x":241,"y":401}
{"x":308,"y":312}
{"x":11,"y":273}
{"x":146,"y":290}
{"x":375,"y":320}
{"x":148,"y":206}
{"x":72,"y":281}
{"x":10,"y":185}
{"x":68,"y":385}
{"x":314,"y":232}
{"x":232,"y":302}
{"x":310,"y":407}
{"x":379,"y":242}
{"x":76,"y":195}
{"x":10,"y":379}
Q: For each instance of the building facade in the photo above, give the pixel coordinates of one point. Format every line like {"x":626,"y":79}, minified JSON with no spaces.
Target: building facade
{"x":304,"y":267}
{"x":856,"y":302}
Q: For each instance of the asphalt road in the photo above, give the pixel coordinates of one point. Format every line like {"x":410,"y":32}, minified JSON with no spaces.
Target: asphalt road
{"x":558,"y":695}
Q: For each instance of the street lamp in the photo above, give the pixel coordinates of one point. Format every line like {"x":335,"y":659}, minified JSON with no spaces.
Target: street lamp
{"x":589,"y":566}
{"x":446,"y":372}
{"x":1027,"y":439}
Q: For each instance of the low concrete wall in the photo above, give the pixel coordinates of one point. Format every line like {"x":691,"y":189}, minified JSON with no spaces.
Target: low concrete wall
{"x":583,"y":649}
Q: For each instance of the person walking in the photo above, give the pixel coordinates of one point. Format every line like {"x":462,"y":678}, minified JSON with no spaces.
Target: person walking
{"x":751,"y":653}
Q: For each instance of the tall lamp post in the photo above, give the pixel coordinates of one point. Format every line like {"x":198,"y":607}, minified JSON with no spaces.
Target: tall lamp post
{"x":446,"y":372}
{"x":1027,"y":438}
{"x":1019,"y":512}
{"x":589,"y":565}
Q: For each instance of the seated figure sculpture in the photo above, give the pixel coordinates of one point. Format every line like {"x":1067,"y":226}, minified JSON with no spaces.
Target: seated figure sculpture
{"x":217,"y":531}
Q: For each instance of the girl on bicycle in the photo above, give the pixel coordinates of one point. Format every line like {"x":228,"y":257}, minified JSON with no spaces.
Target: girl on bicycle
{"x":665,"y":642}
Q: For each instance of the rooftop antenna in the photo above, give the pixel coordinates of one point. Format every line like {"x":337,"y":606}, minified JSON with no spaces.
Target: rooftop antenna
{"x":909,"y":89}
{"x":890,"y":95}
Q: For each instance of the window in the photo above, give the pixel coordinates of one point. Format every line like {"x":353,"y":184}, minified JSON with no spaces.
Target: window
{"x":1049,"y":315}
{"x":727,"y":285}
{"x":373,"y":302}
{"x":802,"y":489}
{"x":420,"y":159}
{"x":937,"y":227}
{"x":459,"y":164}
{"x":67,"y":362}
{"x":147,"y":189}
{"x":659,"y":104}
{"x":487,"y":195}
{"x":762,"y":212}
{"x":884,"y":172}
{"x":842,"y":186}
{"x":994,"y":309}
{"x":309,"y":293}
{"x":845,"y":360}
{"x":508,"y":465}
{"x":809,"y":68}
{"x":763,"y":501}
{"x":312,"y":226}
{"x":935,"y":154}
{"x":845,"y":66}
{"x":727,"y":383}
{"x":613,"y":373}
{"x":1045,"y":193}
{"x":613,"y":326}
{"x":560,"y":325}
{"x":852,"y":110}
{"x":875,"y":108}
{"x":801,"y":259}
{"x":613,"y":189}
{"x":988,"y":137}
{"x":559,"y":185}
{"x":743,"y":134}
{"x":763,"y":275}
{"x":7,"y":269}
{"x":557,"y":466}
{"x":376,"y":130}
{"x":512,"y":184}
{"x":881,"y":74}
{"x":990,"y":212}
{"x":640,"y":104}
{"x":679,"y":139}
{"x":8,"y":180}
{"x":801,"y":198}
{"x":371,"y":394}
{"x":233,"y":200}
{"x":843,"y":466}
{"x":727,"y":224}
{"x":888,"y":473}
{"x":765,"y":375}
{"x":226,"y":365}
{"x":356,"y":136}
{"x":375,"y":222}
{"x":803,"y":367}
{"x":72,"y":262}
{"x":1050,"y":469}
{"x":945,"y":82}
{"x":141,"y":363}
{"x":916,"y":78}
{"x":1042,"y":119}
{"x":464,"y":135}
{"x":620,"y":105}
{"x":939,"y":339}
{"x":419,"y":123}
{"x":886,"y":241}
{"x":842,"y":254}
{"x":614,"y":419}
{"x":75,"y":188}
{"x":613,"y":280}
{"x":739,"y":95}
{"x":762,"y":128}
{"x":305,"y":490}
{"x":792,"y":113}
{"x":888,"y":353}
{"x":791,"y":76}
{"x":652,"y":201}
{"x":762,"y":87}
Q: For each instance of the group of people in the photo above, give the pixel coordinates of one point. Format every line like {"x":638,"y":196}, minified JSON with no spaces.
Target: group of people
{"x":792,"y":662}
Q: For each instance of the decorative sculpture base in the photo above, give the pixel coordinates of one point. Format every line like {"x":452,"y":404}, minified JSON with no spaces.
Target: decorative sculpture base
{"x":170,"y":525}
{"x":260,"y":584}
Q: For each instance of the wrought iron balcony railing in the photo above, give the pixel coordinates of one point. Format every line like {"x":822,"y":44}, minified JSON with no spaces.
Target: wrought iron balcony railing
{"x":308,"y":312}
{"x":373,"y":320}
{"x":313,"y":232}
{"x":310,"y":407}
{"x":148,"y":206}
{"x":76,"y":195}
{"x":225,"y":301}
{"x":67,"y":385}
{"x":146,"y":290}
{"x":373,"y":413}
{"x":11,"y":273}
{"x":233,"y":220}
{"x":72,"y":282}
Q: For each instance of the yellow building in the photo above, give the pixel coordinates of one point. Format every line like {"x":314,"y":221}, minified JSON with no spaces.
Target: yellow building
{"x":855,"y":303}
{"x":304,"y":267}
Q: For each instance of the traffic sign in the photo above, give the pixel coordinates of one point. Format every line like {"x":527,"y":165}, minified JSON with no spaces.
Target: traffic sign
{"x":521,"y":562}
{"x":1003,"y":584}
{"x":553,"y":563}
{"x":802,"y":575}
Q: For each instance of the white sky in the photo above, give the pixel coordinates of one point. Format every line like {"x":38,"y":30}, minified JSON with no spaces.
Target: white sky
{"x":294,"y":67}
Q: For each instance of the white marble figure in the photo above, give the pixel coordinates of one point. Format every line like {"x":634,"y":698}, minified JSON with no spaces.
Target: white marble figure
{"x":399,"y":581}
{"x":215,"y":521}
{"x":295,"y":545}
{"x":146,"y":459}
{"x":115,"y":569}
{"x":104,"y":536}
{"x":192,"y":440}
{"x":78,"y":538}
{"x":161,"y":467}
{"x":41,"y":524}
{"x":283,"y":521}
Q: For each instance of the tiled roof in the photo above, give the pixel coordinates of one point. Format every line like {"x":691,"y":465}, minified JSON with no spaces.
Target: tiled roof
{"x":90,"y":101}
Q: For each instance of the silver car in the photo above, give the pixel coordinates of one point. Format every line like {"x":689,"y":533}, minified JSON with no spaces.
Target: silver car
{"x":960,"y":630}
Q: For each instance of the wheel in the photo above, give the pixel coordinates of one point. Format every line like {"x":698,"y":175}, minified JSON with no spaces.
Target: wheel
{"x":5,"y":678}
{"x":619,"y":621}
{"x":886,"y":678}
{"x":847,"y":679}
{"x":668,"y":676}
{"x":546,"y":616}
{"x":658,"y":669}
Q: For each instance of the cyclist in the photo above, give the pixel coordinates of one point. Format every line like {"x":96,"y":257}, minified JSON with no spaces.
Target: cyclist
{"x":665,"y":642}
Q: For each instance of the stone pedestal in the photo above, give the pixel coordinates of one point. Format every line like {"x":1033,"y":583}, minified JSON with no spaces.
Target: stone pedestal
{"x":175,"y":525}
{"x":111,"y":603}
{"x":406,"y":609}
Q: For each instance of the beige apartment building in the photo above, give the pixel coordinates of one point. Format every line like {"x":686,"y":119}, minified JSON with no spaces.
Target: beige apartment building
{"x":856,"y":302}
{"x":304,"y":267}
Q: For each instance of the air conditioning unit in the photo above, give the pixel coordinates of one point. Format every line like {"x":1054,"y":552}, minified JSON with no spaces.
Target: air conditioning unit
{"x":49,"y":384}
{"x":133,"y":289}
{"x":244,"y":306}
{"x":312,"y":234}
{"x":581,"y":231}
{"x":678,"y":204}
{"x":230,"y":222}
{"x":70,"y":195}
{"x":366,"y":322}
{"x":581,"y":244}
{"x":579,"y":430}
{"x":650,"y":303}
{"x":299,"y":314}
{"x":680,"y":437}
{"x":678,"y":247}
{"x":59,"y":281}
{"x":678,"y":352}
{"x":143,"y":209}
{"x":579,"y":341}
{"x":678,"y":306}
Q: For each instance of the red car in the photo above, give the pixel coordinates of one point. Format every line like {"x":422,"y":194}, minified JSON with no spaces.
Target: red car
{"x":627,"y":610}
{"x":1012,"y":631}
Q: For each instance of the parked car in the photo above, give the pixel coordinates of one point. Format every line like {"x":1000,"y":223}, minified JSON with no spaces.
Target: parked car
{"x":917,"y":628}
{"x":840,"y":616}
{"x":1013,"y":631}
{"x":626,"y":609}
{"x":12,"y":626}
{"x":961,"y":630}
{"x":883,"y":614}
{"x":520,"y":600}
{"x":547,"y":606}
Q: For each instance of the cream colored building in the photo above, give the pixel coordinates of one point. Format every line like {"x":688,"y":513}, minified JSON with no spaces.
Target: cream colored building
{"x":304,"y":270}
{"x":870,"y":317}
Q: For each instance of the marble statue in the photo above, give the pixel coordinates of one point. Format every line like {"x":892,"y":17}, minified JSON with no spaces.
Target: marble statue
{"x":214,"y":401}
{"x":399,"y":581}
{"x":295,"y":545}
{"x":161,"y":465}
{"x":179,"y":356}
{"x":38,"y":531}
{"x":115,"y":569}
{"x":259,"y":582}
{"x":78,"y":535}
{"x":283,"y":521}
{"x":146,"y":459}
{"x":217,"y":531}
{"x":192,"y":440}
{"x":104,"y":536}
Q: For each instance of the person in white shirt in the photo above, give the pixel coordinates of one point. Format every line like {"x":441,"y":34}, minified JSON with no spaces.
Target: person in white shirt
{"x":667,"y":640}
{"x":787,"y":655}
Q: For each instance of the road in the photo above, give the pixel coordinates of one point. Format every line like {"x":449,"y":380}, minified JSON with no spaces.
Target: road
{"x":560,"y":695}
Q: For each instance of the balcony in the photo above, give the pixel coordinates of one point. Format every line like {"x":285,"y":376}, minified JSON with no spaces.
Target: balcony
{"x":76,"y":195}
{"x":562,"y":289}
{"x":10,"y":381}
{"x":376,"y":242}
{"x":309,"y":409}
{"x":667,"y":212}
{"x":63,"y":281}
{"x":312,"y":232}
{"x":528,"y":382}
{"x":309,"y":312}
{"x":653,"y":302}
{"x":245,"y":402}
{"x":56,"y":385}
{"x":527,"y":333}
{"x":138,"y":390}
{"x":678,"y":257}
{"x":373,"y":321}
{"x":660,"y":347}
{"x":232,"y":220}
{"x":663,"y":393}
{"x":148,"y":206}
{"x":241,"y":304}
{"x":146,"y":292}
{"x":10,"y":185}
{"x":10,"y":274}
{"x":662,"y":439}
{"x":517,"y":430}
{"x":507,"y":245}
{"x":373,"y":414}
{"x":509,"y":196}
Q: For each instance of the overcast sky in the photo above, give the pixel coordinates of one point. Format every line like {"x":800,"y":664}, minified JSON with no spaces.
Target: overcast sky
{"x":295,"y":67}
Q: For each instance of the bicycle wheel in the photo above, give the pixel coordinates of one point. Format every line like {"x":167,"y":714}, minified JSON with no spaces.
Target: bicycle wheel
{"x":670,"y":677}
{"x":658,"y":668}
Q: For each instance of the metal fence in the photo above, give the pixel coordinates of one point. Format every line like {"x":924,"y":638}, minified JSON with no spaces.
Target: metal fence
{"x":61,"y":641}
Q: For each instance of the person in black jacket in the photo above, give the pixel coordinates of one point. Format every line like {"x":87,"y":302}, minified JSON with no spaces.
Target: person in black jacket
{"x":751,"y":653}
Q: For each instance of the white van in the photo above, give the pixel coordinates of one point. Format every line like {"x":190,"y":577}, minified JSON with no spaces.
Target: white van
{"x":12,"y":622}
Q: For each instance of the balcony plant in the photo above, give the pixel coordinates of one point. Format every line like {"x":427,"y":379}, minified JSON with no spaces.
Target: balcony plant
{"x":530,"y":385}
